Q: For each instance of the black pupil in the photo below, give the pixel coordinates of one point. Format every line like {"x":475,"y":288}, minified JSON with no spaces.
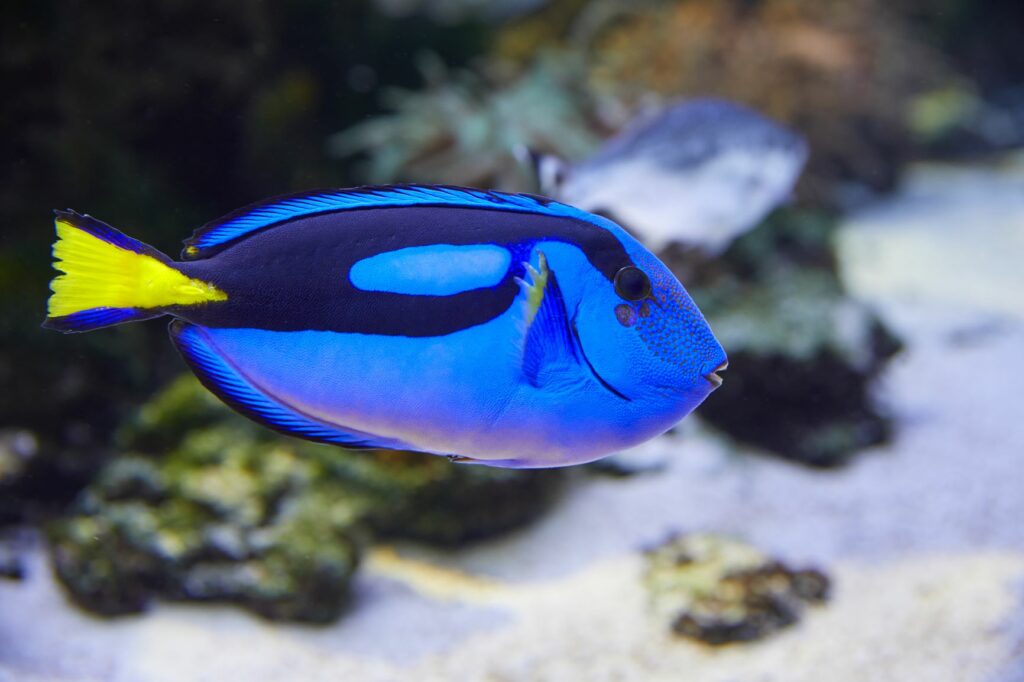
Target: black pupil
{"x":632,"y":284}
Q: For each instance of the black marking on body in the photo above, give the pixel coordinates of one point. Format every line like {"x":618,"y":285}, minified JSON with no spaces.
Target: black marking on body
{"x":295,"y":277}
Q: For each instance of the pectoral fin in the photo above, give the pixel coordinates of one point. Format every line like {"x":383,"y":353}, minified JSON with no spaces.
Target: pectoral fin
{"x":552,"y":345}
{"x":549,"y":342}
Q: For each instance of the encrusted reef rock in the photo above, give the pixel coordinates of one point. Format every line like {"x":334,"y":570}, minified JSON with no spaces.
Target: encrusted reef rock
{"x":183,"y":405}
{"x":803,"y":356}
{"x":428,"y":499}
{"x":223,"y":518}
{"x":11,"y":565}
{"x":19,"y":449}
{"x":220,"y":509}
{"x":719,"y":591}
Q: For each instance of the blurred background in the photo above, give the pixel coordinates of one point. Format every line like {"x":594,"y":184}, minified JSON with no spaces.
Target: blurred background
{"x":847,"y":505}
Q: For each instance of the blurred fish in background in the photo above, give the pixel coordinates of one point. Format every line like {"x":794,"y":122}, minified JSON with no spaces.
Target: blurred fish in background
{"x":699,"y":172}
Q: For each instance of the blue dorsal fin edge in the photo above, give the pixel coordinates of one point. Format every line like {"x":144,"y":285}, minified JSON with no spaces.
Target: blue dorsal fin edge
{"x":246,"y":221}
{"x":225,"y":381}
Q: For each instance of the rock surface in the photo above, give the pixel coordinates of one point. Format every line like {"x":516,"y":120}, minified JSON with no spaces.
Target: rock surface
{"x":17,"y":449}
{"x":718,"y":590}
{"x":222,"y":519}
{"x":803,"y":354}
{"x":11,"y":564}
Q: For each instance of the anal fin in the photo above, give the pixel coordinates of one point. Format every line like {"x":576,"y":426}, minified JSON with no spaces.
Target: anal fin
{"x":229,"y":384}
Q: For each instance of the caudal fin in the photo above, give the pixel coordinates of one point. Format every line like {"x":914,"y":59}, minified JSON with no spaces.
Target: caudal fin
{"x":110,"y":278}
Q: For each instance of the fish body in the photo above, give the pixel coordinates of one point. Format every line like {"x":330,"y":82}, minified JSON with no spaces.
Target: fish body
{"x":699,"y":172}
{"x":495,"y":328}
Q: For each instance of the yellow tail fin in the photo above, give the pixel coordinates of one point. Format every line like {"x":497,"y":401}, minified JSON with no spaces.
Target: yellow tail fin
{"x":110,"y":278}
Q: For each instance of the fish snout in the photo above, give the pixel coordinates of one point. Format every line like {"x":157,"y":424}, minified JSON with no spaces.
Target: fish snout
{"x":713,"y":377}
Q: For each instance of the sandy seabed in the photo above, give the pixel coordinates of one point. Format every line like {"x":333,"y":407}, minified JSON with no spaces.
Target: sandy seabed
{"x":923,"y":538}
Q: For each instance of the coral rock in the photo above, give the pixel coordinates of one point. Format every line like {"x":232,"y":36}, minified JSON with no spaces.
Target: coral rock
{"x":803,"y":356}
{"x":719,"y":591}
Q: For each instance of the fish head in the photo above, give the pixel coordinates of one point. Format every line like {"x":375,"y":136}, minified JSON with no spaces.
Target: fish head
{"x":643,"y":335}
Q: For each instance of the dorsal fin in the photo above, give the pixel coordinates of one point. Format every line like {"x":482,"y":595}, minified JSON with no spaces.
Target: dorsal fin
{"x":213,"y":236}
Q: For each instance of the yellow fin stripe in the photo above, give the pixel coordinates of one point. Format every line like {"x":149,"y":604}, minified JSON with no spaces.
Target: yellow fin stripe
{"x":100,"y":274}
{"x":535,"y":287}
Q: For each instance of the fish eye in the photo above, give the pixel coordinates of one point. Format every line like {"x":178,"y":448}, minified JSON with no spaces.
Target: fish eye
{"x":632,"y":284}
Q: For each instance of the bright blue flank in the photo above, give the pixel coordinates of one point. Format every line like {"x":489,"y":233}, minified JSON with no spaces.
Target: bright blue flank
{"x":433,"y":270}
{"x":265,"y":215}
{"x":208,"y":363}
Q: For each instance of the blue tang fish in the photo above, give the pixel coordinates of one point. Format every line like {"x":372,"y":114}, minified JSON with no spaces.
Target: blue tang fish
{"x":501,"y":329}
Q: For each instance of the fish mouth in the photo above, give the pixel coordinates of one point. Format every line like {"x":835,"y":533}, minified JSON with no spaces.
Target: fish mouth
{"x":713,"y":377}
